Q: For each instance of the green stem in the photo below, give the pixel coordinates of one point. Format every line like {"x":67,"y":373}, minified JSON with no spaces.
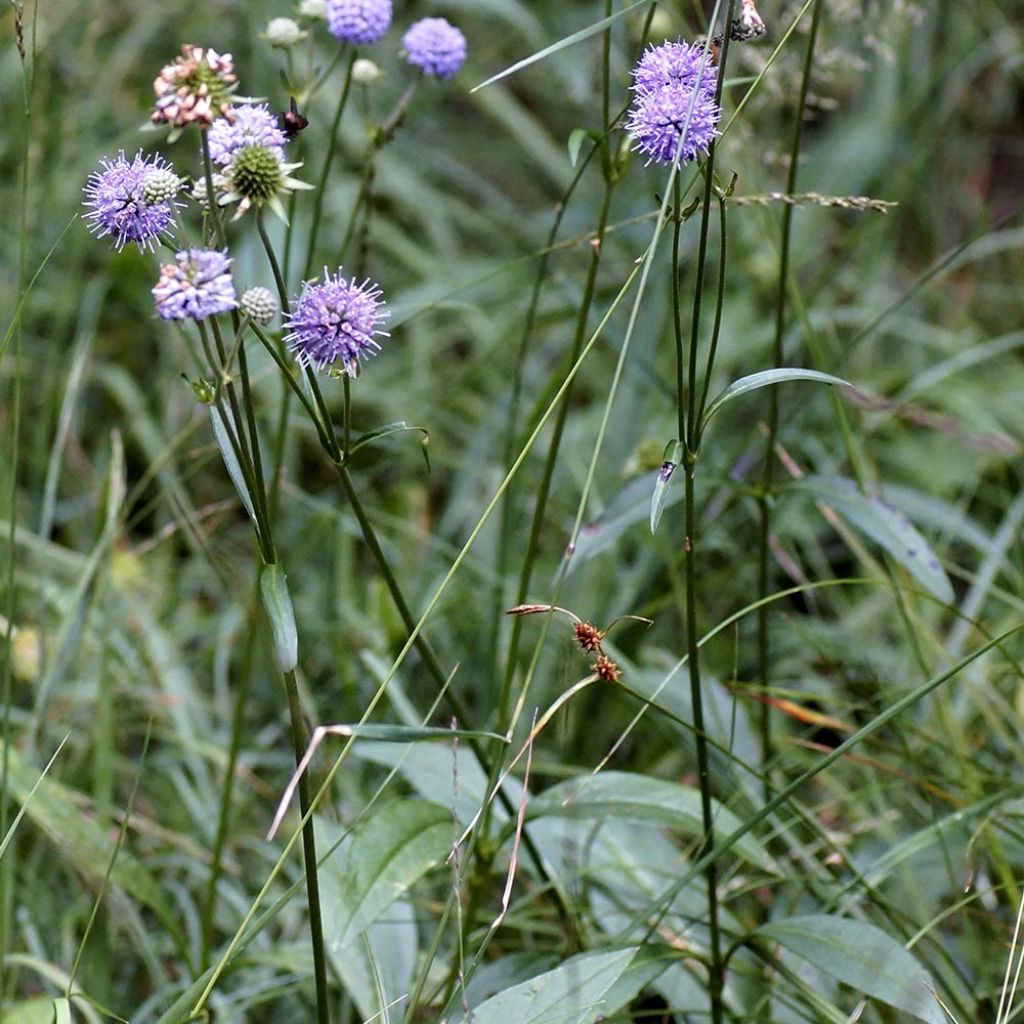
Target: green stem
{"x":382,"y":136}
{"x":300,"y":743}
{"x":325,"y":170}
{"x":544,"y":490}
{"x":764,"y":501}
{"x":703,"y":765}
{"x":224,"y":814}
{"x":692,"y":435}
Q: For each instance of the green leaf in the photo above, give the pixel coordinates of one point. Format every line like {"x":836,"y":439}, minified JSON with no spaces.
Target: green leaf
{"x":585,"y":988}
{"x":627,"y":508}
{"x":764,"y":379}
{"x":861,"y":956}
{"x":576,"y":137}
{"x":672,"y":457}
{"x":277,"y":602}
{"x":884,"y":524}
{"x":32,"y":1011}
{"x":223,"y":438}
{"x":398,"y":427}
{"x":85,"y":844}
{"x":576,"y":37}
{"x":641,"y":798}
{"x":386,"y":733}
{"x":377,"y":863}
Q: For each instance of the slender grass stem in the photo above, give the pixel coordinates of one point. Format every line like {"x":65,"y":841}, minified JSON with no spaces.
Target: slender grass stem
{"x":767,"y":478}
{"x":227,"y":793}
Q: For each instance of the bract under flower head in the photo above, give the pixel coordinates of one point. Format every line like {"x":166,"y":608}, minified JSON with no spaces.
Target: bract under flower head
{"x":119,"y":206}
{"x":435,"y":46}
{"x":197,"y":285}
{"x":360,"y":22}
{"x":337,"y":320}
{"x":196,"y":87}
{"x":674,"y":110}
{"x":249,"y":126}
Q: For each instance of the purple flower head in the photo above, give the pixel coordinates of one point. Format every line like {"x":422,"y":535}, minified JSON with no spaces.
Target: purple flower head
{"x":436,"y":47}
{"x":337,"y":319}
{"x":674,"y":109}
{"x":252,"y":126}
{"x":674,"y":63}
{"x":118,"y":205}
{"x":197,"y":285}
{"x":360,"y":22}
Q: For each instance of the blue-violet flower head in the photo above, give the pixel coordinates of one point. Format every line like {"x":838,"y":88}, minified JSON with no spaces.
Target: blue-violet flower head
{"x":674,"y":107}
{"x":336,"y":320}
{"x":118,"y":203}
{"x":251,"y":126}
{"x":435,"y":46}
{"x":197,"y":285}
{"x":360,"y":22}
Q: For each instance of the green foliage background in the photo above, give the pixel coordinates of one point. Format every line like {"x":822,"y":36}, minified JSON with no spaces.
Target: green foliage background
{"x":131,"y":608}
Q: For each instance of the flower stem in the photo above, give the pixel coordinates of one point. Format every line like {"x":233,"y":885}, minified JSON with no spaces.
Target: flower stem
{"x":325,"y":170}
{"x":764,"y":500}
{"x":300,"y":743}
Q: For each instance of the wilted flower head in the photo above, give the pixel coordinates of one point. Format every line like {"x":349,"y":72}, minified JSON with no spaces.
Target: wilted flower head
{"x":120,"y":205}
{"x":197,"y":285}
{"x":674,"y":108}
{"x":358,"y":21}
{"x":336,"y":320}
{"x":249,"y":126}
{"x":435,"y":46}
{"x":196,"y":87}
{"x":259,"y":304}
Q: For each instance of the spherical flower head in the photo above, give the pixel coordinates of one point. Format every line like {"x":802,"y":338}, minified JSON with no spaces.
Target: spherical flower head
{"x":365,"y":72}
{"x":120,"y":205}
{"x":674,"y":63}
{"x":284,"y":33}
{"x":674,"y":108}
{"x":249,"y":126}
{"x":160,"y":186}
{"x":337,"y":320}
{"x":197,"y":285}
{"x":360,"y":22}
{"x":435,"y":46}
{"x":197,"y":87}
{"x":314,"y":9}
{"x":259,"y":305}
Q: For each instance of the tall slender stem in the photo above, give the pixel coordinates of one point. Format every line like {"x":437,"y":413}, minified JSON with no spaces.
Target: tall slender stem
{"x":325,"y":170}
{"x":300,"y":743}
{"x":692,"y":438}
{"x":703,"y":770}
{"x":764,"y":501}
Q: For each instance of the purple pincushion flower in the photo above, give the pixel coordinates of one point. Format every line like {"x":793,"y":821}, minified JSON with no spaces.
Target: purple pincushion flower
{"x":197,"y":285}
{"x":336,"y":320}
{"x":435,"y":46}
{"x":360,"y":22}
{"x":252,"y":126}
{"x":673,"y":63}
{"x":674,"y":86}
{"x":119,"y":206}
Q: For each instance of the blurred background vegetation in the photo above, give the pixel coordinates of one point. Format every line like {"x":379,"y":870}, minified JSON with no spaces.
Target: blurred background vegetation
{"x":128,"y":590}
